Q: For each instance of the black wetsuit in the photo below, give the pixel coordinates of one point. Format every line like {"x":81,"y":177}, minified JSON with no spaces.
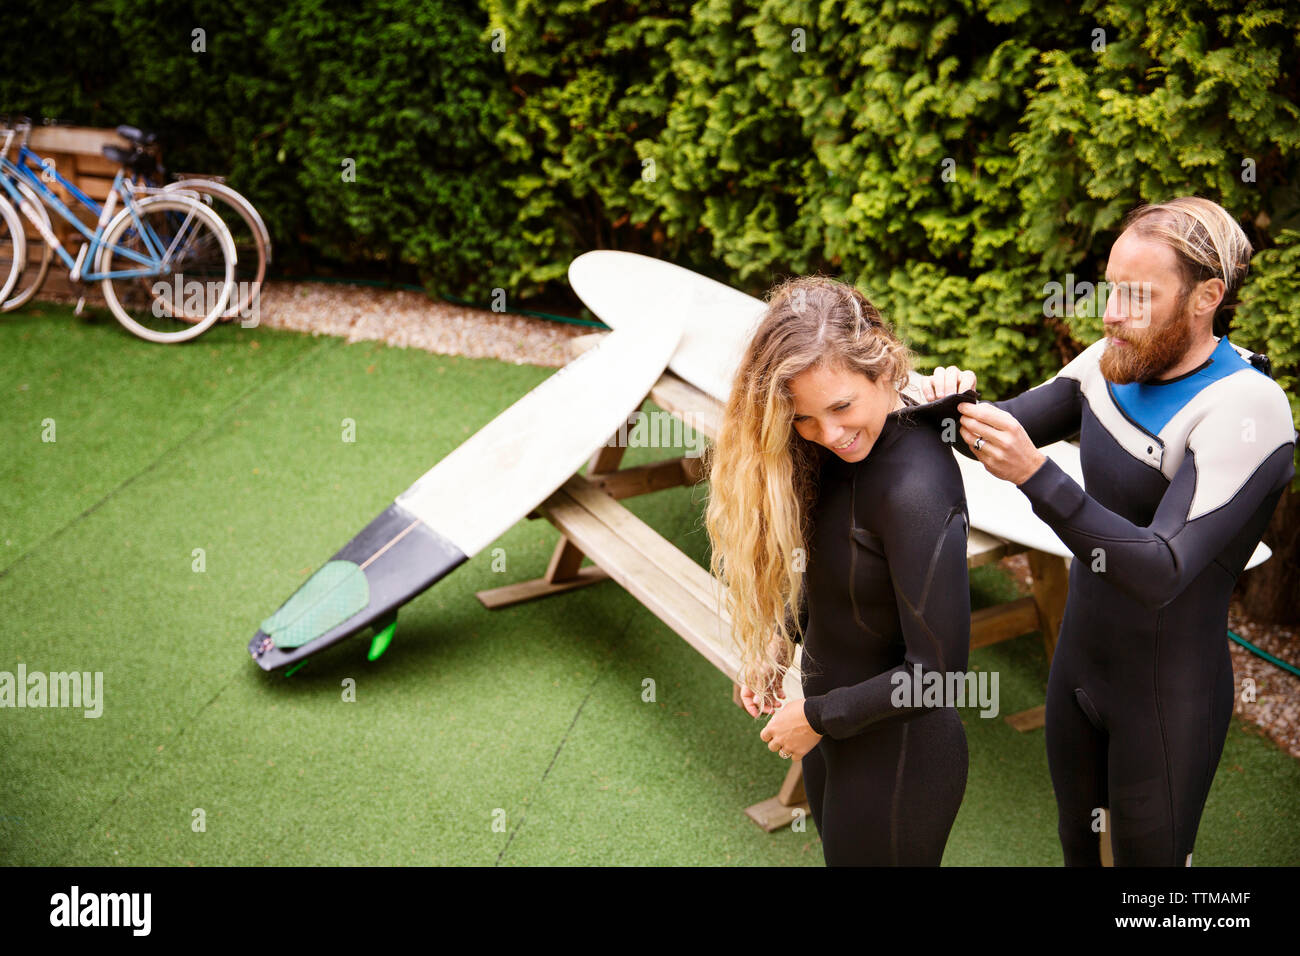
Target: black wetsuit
{"x":885,"y":590}
{"x":1182,"y":478}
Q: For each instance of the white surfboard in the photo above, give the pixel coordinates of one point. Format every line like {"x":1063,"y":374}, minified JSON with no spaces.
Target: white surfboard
{"x":471,"y":497}
{"x":628,"y":290}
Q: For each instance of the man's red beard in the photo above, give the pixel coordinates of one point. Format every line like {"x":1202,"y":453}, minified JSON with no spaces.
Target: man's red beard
{"x":1147,"y":353}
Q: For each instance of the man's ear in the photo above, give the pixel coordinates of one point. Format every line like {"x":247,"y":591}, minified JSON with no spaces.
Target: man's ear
{"x":1207,"y":297}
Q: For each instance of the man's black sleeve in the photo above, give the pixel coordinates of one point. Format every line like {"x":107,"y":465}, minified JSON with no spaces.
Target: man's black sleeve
{"x":1049,"y":413}
{"x":1221,"y":488}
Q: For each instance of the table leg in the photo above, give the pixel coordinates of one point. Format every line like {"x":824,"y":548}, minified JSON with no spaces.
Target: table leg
{"x":789,"y":803}
{"x":781,"y":810}
{"x":1051,"y":587}
{"x":565,"y":571}
{"x":566,"y":558}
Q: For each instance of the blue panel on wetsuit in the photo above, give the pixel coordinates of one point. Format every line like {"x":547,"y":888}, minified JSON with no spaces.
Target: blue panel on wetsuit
{"x":1152,"y":405}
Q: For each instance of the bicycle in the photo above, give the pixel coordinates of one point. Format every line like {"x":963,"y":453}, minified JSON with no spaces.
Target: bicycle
{"x":12,"y":247}
{"x":252,"y":239}
{"x":164,"y":235}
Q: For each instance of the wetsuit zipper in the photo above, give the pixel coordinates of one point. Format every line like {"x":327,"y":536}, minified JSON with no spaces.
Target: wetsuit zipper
{"x":1115,"y":401}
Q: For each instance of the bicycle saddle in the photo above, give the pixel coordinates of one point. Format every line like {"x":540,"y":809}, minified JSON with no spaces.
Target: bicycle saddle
{"x":138,"y":136}
{"x":136,"y":161}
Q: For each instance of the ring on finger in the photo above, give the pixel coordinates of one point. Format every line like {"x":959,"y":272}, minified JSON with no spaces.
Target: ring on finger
{"x":784,"y":754}
{"x":979,"y":443}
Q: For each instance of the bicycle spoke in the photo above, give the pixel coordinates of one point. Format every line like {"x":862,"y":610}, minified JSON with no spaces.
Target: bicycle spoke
{"x":181,"y":236}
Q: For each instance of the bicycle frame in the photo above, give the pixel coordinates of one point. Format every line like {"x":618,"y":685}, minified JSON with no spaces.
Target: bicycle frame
{"x":156,"y":262}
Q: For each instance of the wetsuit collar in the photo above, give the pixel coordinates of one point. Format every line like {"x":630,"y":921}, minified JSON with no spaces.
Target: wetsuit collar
{"x":937,"y":414}
{"x":1221,"y":352}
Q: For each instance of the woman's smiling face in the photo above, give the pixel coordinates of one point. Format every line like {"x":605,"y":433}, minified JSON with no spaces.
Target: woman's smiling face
{"x":841,"y":409}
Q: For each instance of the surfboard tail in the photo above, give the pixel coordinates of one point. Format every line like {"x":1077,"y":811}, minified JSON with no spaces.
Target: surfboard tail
{"x":392,"y":560}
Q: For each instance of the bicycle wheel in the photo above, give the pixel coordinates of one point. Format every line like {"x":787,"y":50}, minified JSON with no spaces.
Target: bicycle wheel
{"x":39,"y":252}
{"x":189,"y":289}
{"x":252,"y":241}
{"x":13,"y":247}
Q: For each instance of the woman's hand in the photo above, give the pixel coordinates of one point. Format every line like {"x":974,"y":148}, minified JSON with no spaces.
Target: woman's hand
{"x":748,"y":699}
{"x":947,"y":380}
{"x":789,"y":732}
{"x":776,"y":658}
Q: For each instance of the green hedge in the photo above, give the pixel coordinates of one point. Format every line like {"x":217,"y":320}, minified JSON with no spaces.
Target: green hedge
{"x":952,"y":158}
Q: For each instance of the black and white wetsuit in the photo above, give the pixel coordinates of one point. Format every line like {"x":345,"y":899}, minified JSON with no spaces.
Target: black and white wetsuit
{"x":885,"y":591}
{"x":1181,"y":479}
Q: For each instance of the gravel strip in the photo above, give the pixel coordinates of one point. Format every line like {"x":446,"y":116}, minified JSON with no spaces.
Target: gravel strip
{"x":398,"y":317}
{"x":412,"y":320}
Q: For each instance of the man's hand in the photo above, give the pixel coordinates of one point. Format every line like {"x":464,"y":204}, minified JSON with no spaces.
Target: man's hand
{"x":947,"y":380}
{"x":789,"y":731}
{"x":999,"y":442}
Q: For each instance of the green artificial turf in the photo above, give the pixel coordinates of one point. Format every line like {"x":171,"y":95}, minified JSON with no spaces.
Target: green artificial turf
{"x":518,"y":736}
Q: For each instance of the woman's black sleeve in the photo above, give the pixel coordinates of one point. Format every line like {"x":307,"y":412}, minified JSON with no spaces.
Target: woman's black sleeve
{"x":924,"y":538}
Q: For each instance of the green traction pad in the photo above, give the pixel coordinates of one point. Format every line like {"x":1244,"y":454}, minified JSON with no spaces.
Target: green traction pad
{"x":331,"y":596}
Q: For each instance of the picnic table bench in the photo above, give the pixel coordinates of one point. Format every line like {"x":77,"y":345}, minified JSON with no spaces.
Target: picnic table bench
{"x":686,"y":597}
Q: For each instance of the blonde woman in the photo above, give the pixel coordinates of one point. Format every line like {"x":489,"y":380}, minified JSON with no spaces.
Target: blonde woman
{"x":834,"y":493}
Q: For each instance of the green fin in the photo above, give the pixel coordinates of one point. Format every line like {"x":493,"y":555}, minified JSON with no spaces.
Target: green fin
{"x":296,"y":667}
{"x":331,"y":596}
{"x":382,"y":638}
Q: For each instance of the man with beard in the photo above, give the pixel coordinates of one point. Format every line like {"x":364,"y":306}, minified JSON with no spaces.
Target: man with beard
{"x":1186,"y":447}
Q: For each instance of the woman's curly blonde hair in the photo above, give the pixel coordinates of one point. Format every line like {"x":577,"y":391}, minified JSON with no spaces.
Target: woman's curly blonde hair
{"x":763,"y":474}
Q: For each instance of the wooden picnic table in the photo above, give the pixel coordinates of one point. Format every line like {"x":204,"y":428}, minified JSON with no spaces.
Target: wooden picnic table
{"x":687,"y":598}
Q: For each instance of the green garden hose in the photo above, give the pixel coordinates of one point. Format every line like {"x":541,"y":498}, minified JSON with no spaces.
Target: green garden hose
{"x":1291,"y":668}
